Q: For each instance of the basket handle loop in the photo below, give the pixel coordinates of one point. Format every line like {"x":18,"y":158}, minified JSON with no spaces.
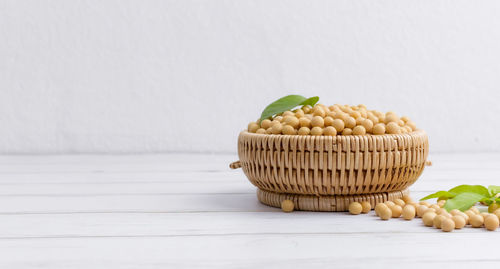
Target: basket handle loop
{"x":235,"y":165}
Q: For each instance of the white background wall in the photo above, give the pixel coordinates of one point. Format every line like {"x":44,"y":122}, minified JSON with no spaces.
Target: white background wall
{"x":154,"y":76}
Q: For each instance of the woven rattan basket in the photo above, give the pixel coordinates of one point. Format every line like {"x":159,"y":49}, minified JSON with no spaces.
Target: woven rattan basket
{"x":325,"y":173}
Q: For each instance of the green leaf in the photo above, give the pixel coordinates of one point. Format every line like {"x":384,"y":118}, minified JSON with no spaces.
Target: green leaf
{"x":487,"y":200}
{"x":287,"y":103}
{"x":437,"y":195}
{"x":470,"y":188}
{"x":493,"y":190}
{"x":463,"y":201}
{"x":310,"y":101}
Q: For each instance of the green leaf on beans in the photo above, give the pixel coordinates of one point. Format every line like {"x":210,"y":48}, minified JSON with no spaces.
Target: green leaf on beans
{"x":463,"y":201}
{"x":438,"y":194}
{"x":287,"y":103}
{"x":470,"y":188}
{"x":310,"y":101}
{"x":494,"y":190}
{"x":487,"y":200}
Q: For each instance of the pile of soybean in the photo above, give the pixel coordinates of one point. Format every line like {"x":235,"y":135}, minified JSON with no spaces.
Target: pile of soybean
{"x":432,"y":215}
{"x":333,"y":120}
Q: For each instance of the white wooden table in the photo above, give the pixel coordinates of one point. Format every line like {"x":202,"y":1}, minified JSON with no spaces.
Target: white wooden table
{"x":179,"y":210}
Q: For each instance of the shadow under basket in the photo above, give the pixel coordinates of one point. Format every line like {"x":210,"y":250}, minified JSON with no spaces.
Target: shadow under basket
{"x":326,"y":173}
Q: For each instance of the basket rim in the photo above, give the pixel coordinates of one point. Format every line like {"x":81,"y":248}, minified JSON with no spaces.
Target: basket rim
{"x":416,"y":133}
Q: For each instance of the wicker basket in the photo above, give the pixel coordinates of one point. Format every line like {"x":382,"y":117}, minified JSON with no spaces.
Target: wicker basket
{"x":325,"y":173}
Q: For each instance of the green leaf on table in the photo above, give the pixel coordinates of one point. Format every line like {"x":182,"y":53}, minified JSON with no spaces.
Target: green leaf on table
{"x":287,"y":103}
{"x":438,"y":194}
{"x":463,"y":201}
{"x":493,"y":190}
{"x":470,"y":188}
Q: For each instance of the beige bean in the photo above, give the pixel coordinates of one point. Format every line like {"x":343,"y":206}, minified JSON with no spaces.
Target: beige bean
{"x":355,"y":208}
{"x":287,"y":206}
{"x":408,"y":212}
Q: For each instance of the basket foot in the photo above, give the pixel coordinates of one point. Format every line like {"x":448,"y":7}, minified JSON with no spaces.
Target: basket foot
{"x":329,"y":203}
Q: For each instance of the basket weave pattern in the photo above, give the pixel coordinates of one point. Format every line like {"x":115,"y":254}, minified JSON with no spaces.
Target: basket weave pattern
{"x":339,"y":165}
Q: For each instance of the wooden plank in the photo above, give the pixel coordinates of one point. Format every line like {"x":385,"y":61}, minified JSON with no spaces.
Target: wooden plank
{"x":51,"y":185}
{"x":178,"y":183}
{"x":254,"y":251}
{"x":204,"y":224}
{"x":131,"y":203}
{"x":148,"y":203}
{"x":115,"y":163}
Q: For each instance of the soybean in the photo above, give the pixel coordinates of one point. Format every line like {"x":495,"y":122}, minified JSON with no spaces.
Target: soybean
{"x":355,"y":208}
{"x":399,"y":202}
{"x":421,"y":210}
{"x":459,"y":221}
{"x":428,"y":218}
{"x":438,"y":220}
{"x":379,"y":207}
{"x":476,"y":221}
{"x":491,"y":222}
{"x":366,"y":207}
{"x":447,"y":225}
{"x":287,"y":206}
{"x":385,"y":213}
{"x":408,"y":212}
{"x":396,"y":211}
